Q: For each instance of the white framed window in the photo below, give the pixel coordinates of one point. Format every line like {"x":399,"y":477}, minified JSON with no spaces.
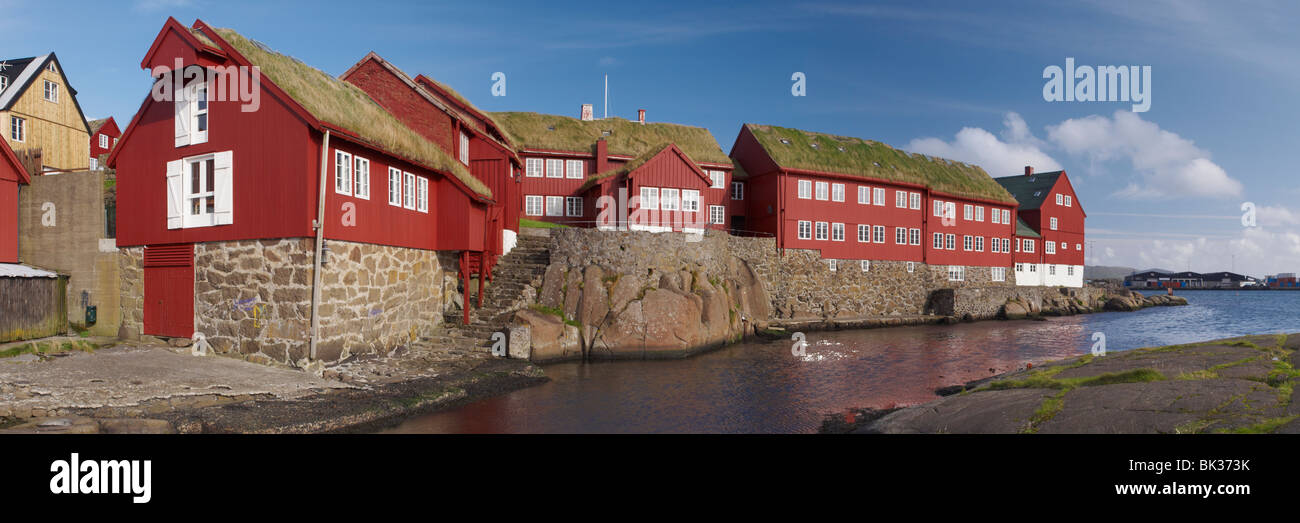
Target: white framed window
{"x":900,"y":235}
{"x":1020,"y":267}
{"x":1051,"y":270}
{"x":737,"y":191}
{"x":1033,"y":267}
{"x":1028,"y":245}
{"x":1067,"y":200}
{"x":956,"y":272}
{"x":690,"y":200}
{"x":900,"y":199}
{"x":911,"y":266}
{"x":821,"y":230}
{"x":4,"y":82}
{"x":718,"y":179}
{"x":51,"y":92}
{"x":555,"y":206}
{"x":361,"y":178}
{"x":878,"y":234}
{"x":878,"y":196}
{"x":938,"y":241}
{"x":1006,"y":216}
{"x":1053,"y":225}
{"x":408,"y":190}
{"x":998,"y":273}
{"x":968,"y":212}
{"x":914,"y":236}
{"x":1065,"y":246}
{"x":1078,"y":246}
{"x":103,"y":141}
{"x":916,"y":201}
{"x":668,"y":200}
{"x":866,"y":265}
{"x":573,"y":206}
{"x":821,"y":190}
{"x":1050,"y":247}
{"x":864,"y":234}
{"x":967,"y":242}
{"x":979,"y":244}
{"x":833,"y":265}
{"x":837,"y":192}
{"x":533,"y":205}
{"x":1069,"y":270}
{"x":574,"y":169}
{"x":342,"y":173}
{"x":191,"y":114}
{"x":805,"y":189}
{"x":533,"y":167}
{"x":1059,"y":199}
{"x":200,"y":191}
{"x":554,"y":168}
{"x":837,"y":232}
{"x":200,"y":118}
{"x":1006,"y":245}
{"x":951,"y":241}
{"x":805,"y":230}
{"x":995,"y":216}
{"x":394,"y":187}
{"x":464,"y":148}
{"x":717,"y":214}
{"x":864,"y":195}
{"x":50,"y":67}
{"x":979,"y":213}
{"x":938,"y":208}
{"x":17,"y":129}
{"x":649,"y":198}
{"x":94,"y":164}
{"x":422,"y":194}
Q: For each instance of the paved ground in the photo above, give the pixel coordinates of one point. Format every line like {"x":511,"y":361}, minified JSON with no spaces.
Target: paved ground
{"x":1247,"y":384}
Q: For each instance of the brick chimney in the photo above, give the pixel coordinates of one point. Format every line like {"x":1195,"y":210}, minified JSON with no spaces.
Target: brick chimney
{"x":640,"y":116}
{"x":1029,"y":170}
{"x":602,"y":156}
{"x":587,"y":114}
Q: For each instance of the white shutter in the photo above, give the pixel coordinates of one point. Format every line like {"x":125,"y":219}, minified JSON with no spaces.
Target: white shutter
{"x":175,"y":199}
{"x":225,"y":189}
{"x":182,"y":105}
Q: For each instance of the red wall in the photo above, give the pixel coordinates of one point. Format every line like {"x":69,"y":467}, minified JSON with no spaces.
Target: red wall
{"x":8,"y":220}
{"x":109,"y":128}
{"x":961,"y":227}
{"x":669,"y":170}
{"x":404,"y":103}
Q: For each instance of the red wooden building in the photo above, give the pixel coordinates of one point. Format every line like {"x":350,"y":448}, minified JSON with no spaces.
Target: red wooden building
{"x":672,"y":193}
{"x":560,"y":154}
{"x":103,"y":137}
{"x":12,"y":174}
{"x":199,"y":169}
{"x":855,"y":199}
{"x":1050,"y":246}
{"x":469,"y":135}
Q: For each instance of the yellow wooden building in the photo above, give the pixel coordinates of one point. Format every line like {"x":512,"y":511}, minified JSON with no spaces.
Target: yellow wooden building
{"x":39,"y":110}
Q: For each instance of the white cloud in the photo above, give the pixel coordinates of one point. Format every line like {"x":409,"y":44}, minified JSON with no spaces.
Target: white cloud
{"x":1254,"y":251}
{"x":998,"y":156}
{"x":1276,"y":215}
{"x":1166,"y":163}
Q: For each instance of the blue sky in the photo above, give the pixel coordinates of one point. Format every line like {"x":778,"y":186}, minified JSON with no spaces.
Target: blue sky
{"x":962,"y":80}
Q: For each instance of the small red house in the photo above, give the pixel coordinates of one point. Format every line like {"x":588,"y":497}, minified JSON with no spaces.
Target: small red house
{"x":1050,"y":209}
{"x":855,"y":199}
{"x":12,"y":174}
{"x":103,"y":137}
{"x":238,"y":161}
{"x":661,"y":190}
{"x":561,"y":153}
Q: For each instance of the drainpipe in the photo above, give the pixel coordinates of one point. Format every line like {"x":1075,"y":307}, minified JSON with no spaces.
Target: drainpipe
{"x":319,"y":225}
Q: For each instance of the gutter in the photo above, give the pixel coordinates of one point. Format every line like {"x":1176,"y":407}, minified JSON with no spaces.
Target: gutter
{"x":319,"y":225}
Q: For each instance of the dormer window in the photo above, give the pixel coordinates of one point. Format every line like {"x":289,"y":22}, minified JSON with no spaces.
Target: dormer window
{"x":815,"y":145}
{"x":50,"y":67}
{"x":785,"y":141}
{"x":606,"y":132}
{"x":841,"y":148}
{"x":4,"y":82}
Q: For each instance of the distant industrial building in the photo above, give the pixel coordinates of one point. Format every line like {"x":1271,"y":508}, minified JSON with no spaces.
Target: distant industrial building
{"x":1157,"y":279}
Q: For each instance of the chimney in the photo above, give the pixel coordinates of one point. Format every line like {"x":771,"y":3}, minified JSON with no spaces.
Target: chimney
{"x":587,"y":114}
{"x":602,"y":156}
{"x":640,"y":116}
{"x":1029,"y":170}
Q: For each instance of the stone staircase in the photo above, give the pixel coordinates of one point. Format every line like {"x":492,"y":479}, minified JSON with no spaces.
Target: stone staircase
{"x":514,"y":272}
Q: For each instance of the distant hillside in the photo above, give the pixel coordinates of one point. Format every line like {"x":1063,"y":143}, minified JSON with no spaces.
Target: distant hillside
{"x":1106,"y":272}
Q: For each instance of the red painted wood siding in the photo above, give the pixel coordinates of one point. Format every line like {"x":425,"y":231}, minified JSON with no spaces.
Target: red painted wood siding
{"x":962,"y":227}
{"x":1069,"y":225}
{"x":668,"y":170}
{"x":405,"y":103}
{"x":8,"y":220}
{"x":851,"y":214}
{"x":108,"y":129}
{"x":169,"y":290}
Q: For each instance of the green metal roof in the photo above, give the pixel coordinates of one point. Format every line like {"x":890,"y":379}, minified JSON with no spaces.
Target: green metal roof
{"x":1023,"y":229}
{"x":1030,"y":190}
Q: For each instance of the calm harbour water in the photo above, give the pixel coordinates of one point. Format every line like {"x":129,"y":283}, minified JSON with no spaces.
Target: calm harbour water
{"x":759,"y":387}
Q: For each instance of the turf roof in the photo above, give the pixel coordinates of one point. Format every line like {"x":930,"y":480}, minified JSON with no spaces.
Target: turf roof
{"x":96,"y":124}
{"x":627,"y":138}
{"x":344,"y":105}
{"x":460,"y":98}
{"x":794,"y":148}
{"x":628,"y":167}
{"x":1030,"y":190}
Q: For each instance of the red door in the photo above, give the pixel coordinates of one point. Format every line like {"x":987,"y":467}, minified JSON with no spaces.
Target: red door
{"x":169,"y":290}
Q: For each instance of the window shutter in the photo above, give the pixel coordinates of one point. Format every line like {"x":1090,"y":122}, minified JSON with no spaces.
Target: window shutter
{"x":225,"y":193}
{"x":182,"y":106}
{"x":174,"y":197}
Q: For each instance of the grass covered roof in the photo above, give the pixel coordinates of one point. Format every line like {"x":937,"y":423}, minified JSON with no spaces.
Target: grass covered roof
{"x":625,"y":137}
{"x":626,"y":168}
{"x":798,"y":149}
{"x":346,"y":106}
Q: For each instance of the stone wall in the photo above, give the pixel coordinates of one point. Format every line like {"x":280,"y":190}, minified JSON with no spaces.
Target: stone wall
{"x":1014,"y":302}
{"x":253,"y":297}
{"x":130,"y":262}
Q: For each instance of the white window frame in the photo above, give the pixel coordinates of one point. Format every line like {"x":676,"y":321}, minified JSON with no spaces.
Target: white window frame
{"x":216,"y":180}
{"x":833,"y":265}
{"x":94,"y":163}
{"x":408,"y":190}
{"x":911,"y":266}
{"x":535,"y":168}
{"x":534,"y":205}
{"x":737,"y":191}
{"x":805,"y":230}
{"x":916,"y":201}
{"x":864,"y":195}
{"x":555,"y":206}
{"x":956,"y":273}
{"x":394,"y":187}
{"x":979,"y":244}
{"x":570,"y":204}
{"x":1069,"y":270}
{"x":938,"y":241}
{"x":1053,"y":223}
{"x":554,"y":168}
{"x":361,"y":177}
{"x":1006,"y":216}
{"x":464,"y":148}
{"x":690,"y":200}
{"x":669,"y":199}
{"x":967,"y":212}
{"x":900,"y":199}
{"x":422,"y":194}
{"x":342,"y":172}
{"x":866,"y":265}
{"x":17,"y":129}
{"x":822,"y":189}
{"x":878,"y":233}
{"x":998,"y":273}
{"x":967,"y":242}
{"x":878,"y":196}
{"x":1068,"y":200}
{"x":103,"y":141}
{"x":1059,"y":199}
{"x":821,"y":231}
{"x":900,"y":235}
{"x":914,"y":235}
{"x":938,"y":208}
{"x":1051,"y":270}
{"x":200,"y":111}
{"x":805,"y":189}
{"x":1028,"y":246}
{"x":4,"y":82}
{"x":717,"y":214}
{"x":649,"y":199}
{"x":575,"y":169}
{"x":51,"y":92}
{"x":979,"y":213}
{"x":837,"y":232}
{"x":951,"y":241}
{"x":864,"y":234}
{"x":995,"y":215}
{"x":837,"y":192}
{"x":1049,"y":247}
{"x":717,"y":179}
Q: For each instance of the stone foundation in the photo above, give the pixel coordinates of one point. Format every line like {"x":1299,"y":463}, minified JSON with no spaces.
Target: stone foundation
{"x":130,"y":263}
